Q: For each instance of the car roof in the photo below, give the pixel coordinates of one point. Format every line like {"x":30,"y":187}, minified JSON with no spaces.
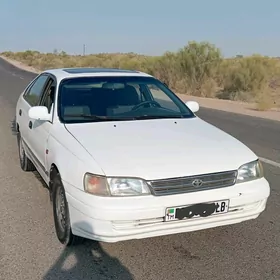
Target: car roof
{"x":61,"y":73}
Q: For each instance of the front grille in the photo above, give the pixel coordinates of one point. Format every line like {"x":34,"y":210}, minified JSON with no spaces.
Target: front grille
{"x":186,"y":185}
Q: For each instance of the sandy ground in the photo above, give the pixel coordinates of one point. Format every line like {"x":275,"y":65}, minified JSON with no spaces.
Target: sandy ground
{"x":233,"y":107}
{"x":217,"y":104}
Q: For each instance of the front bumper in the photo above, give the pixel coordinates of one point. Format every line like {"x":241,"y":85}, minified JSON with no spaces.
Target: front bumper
{"x":113,"y":219}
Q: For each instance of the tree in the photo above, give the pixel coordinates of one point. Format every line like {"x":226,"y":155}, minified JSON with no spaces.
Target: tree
{"x":198,"y":63}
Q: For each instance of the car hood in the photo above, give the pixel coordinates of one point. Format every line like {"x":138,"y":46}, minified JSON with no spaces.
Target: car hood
{"x":162,"y":148}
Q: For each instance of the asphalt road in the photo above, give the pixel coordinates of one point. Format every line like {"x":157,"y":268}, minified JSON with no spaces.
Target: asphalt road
{"x":29,"y":248}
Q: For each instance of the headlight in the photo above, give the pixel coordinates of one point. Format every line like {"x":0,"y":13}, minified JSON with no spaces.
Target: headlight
{"x":127,"y":186}
{"x":103,"y":186}
{"x":250,"y":171}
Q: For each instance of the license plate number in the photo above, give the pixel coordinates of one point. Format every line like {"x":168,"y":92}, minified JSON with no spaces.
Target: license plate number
{"x":196,"y":210}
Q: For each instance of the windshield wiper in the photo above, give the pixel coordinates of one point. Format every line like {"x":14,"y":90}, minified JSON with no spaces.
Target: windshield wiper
{"x":124,"y":118}
{"x":159,"y":117}
{"x":93,"y":117}
{"x":100,"y":118}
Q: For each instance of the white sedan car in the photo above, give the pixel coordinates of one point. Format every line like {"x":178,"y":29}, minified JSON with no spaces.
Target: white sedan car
{"x":125,"y":158}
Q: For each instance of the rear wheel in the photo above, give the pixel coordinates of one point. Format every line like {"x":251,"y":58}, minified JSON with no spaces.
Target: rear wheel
{"x":61,"y":214}
{"x":25,"y":162}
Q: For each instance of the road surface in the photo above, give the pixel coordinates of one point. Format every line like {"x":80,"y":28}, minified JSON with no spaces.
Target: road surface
{"x":30,"y":250}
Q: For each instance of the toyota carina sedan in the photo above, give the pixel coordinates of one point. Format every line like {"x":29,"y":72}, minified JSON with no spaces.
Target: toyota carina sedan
{"x":125,"y":158}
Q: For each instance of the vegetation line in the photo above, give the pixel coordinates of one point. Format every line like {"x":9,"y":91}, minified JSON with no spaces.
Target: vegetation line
{"x":197,"y":69}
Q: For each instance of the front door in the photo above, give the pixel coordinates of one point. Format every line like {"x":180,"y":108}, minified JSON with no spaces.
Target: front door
{"x":31,"y":98}
{"x":39,"y":134}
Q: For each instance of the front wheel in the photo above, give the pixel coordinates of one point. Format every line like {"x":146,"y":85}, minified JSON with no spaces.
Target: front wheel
{"x":61,"y":215}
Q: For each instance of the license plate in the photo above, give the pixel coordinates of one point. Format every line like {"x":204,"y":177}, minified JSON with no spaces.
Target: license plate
{"x":196,"y":210}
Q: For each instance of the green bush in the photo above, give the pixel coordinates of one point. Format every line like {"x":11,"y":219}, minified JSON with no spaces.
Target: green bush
{"x":250,"y":75}
{"x":196,"y":69}
{"x":198,"y":66}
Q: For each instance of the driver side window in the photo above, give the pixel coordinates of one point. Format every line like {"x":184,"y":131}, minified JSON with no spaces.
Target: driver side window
{"x":34,"y":93}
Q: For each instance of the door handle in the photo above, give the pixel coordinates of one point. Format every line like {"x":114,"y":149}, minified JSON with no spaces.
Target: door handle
{"x":30,"y":124}
{"x":20,"y":112}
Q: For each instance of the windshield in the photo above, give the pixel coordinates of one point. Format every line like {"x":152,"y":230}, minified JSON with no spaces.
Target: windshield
{"x":90,"y":99}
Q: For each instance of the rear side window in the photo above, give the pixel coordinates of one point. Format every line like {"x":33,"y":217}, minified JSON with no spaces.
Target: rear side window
{"x":34,"y":93}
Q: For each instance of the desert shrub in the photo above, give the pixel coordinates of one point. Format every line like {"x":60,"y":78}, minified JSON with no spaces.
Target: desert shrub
{"x":198,"y":64}
{"x":197,"y":69}
{"x":249,"y":75}
{"x":166,"y":69}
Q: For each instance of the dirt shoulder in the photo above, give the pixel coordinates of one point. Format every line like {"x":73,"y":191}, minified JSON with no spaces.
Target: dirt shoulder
{"x":20,"y":65}
{"x":217,"y":104}
{"x":233,"y":107}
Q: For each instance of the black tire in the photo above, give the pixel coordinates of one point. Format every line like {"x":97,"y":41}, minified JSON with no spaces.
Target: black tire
{"x":25,"y":163}
{"x":61,"y":215}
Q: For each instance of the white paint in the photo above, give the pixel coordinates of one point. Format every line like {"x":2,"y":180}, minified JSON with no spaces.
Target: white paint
{"x":145,"y":149}
{"x":139,"y":151}
{"x":15,"y":75}
{"x":271,"y":162}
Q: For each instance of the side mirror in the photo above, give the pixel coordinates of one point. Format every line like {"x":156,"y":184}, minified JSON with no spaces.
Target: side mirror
{"x":193,"y":106}
{"x":39,"y":113}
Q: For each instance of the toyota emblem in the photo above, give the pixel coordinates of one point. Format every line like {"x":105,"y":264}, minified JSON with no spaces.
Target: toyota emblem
{"x":197,"y":183}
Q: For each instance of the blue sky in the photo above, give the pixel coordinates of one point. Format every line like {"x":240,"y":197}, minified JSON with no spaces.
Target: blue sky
{"x":146,"y":26}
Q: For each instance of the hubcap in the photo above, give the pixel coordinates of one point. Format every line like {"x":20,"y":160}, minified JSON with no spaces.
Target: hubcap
{"x":60,"y":210}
